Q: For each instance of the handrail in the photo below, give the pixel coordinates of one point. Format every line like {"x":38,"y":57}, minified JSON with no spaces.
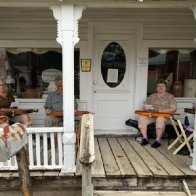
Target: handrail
{"x":87,"y":153}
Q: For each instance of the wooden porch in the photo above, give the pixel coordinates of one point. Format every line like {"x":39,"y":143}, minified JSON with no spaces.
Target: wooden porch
{"x":121,"y":164}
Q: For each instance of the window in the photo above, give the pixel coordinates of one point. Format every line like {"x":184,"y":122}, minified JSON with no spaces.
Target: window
{"x":177,"y":67}
{"x":23,"y":69}
{"x":113,"y":64}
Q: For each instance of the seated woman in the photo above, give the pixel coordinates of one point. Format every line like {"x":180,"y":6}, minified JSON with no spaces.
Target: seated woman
{"x":6,"y":99}
{"x":161,"y":102}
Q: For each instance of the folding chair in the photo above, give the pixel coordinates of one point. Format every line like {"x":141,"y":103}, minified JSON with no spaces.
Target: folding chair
{"x":182,"y":138}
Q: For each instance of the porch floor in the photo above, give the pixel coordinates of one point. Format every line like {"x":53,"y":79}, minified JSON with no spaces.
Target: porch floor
{"x":121,"y":164}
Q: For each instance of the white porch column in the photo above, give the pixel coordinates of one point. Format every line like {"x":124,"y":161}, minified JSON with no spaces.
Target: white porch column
{"x":67,"y":16}
{"x":193,"y":166}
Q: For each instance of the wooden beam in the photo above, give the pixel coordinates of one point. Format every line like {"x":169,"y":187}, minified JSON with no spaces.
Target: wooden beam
{"x":24,"y":174}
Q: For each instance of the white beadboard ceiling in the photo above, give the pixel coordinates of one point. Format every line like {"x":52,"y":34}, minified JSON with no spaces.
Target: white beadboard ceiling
{"x":37,"y":23}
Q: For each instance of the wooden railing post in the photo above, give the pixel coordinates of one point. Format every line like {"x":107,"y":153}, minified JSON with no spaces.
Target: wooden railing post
{"x":87,"y":153}
{"x":24,"y":174}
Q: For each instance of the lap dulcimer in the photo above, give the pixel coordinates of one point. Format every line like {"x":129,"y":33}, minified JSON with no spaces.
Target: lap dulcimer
{"x":152,"y":113}
{"x":15,"y":111}
{"x":77,"y":113}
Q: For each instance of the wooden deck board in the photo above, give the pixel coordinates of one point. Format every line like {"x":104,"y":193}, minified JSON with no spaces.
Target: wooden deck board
{"x":78,"y":165}
{"x":138,"y":164}
{"x":97,"y":167}
{"x":137,"y":193}
{"x":109,"y":162}
{"x":179,"y":163}
{"x":168,"y":166}
{"x":123,"y":163}
{"x":152,"y":164}
{"x":186,"y":158}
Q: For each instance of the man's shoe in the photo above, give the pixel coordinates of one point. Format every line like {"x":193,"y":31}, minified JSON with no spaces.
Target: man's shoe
{"x":144,"y":142}
{"x":156,"y":144}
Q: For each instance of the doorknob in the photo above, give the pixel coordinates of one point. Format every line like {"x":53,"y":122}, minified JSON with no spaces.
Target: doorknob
{"x":94,"y":84}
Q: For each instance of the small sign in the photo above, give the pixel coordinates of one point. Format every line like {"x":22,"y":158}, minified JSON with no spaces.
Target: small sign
{"x":142,"y":61}
{"x":112,"y":76}
{"x":86,"y":65}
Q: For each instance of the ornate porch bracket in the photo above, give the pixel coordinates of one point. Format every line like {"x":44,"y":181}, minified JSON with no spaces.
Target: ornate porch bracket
{"x":193,"y":8}
{"x":67,"y":17}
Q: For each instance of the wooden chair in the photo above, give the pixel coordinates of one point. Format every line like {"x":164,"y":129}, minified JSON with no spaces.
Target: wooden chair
{"x":182,"y":138}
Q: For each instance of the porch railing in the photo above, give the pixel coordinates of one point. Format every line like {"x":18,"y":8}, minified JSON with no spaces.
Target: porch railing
{"x":45,"y":150}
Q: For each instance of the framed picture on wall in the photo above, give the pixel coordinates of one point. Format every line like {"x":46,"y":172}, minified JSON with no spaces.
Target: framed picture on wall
{"x":86,"y":65}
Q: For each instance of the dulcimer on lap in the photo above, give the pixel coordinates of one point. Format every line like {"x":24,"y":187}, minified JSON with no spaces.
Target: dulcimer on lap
{"x":77,"y":113}
{"x":152,"y":113}
{"x":16,"y":111}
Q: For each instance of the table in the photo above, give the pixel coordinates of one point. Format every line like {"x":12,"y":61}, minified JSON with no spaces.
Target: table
{"x":189,"y":110}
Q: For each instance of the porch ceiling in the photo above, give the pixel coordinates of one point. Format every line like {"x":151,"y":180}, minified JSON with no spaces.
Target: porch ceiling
{"x":38,"y":23}
{"x":94,"y":1}
{"x":27,"y":23}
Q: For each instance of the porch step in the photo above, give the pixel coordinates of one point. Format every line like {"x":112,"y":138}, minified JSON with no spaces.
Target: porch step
{"x":139,"y":193}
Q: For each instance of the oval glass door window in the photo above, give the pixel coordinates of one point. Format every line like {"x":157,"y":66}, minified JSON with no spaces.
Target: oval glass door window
{"x":113,"y":64}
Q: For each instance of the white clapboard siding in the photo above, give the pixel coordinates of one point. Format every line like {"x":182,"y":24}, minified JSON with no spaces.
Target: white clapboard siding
{"x":37,"y":118}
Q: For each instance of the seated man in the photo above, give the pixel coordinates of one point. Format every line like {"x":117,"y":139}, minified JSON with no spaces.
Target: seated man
{"x":54,"y":103}
{"x":161,"y":102}
{"x":5,"y":102}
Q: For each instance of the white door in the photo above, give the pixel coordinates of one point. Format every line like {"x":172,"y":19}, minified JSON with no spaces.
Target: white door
{"x":113,"y":82}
